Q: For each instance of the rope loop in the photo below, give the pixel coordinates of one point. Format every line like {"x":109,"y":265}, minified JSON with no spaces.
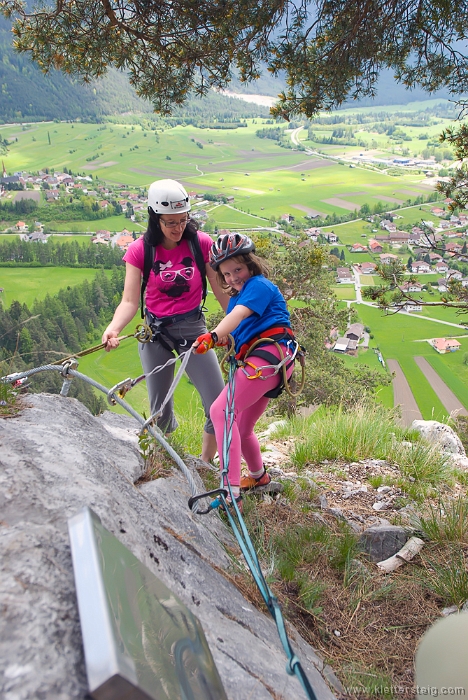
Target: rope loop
{"x":291,"y":665}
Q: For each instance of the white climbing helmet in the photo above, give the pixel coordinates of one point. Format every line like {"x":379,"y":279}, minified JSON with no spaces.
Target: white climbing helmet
{"x":168,"y":197}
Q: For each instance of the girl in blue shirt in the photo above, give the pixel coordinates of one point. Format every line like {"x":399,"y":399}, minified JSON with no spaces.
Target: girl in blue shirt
{"x":256,"y":310}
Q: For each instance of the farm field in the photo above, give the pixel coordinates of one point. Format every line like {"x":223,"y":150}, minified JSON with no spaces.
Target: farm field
{"x":265,"y":179}
{"x":25,"y":284}
{"x":401,"y":337}
{"x":111,"y":223}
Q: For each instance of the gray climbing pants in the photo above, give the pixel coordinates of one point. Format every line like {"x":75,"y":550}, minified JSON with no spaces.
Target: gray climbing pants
{"x":202,"y":370}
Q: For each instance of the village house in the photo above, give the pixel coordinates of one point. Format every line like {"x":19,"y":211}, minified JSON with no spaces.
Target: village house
{"x":442,"y":284}
{"x":452,"y":234}
{"x":444,"y":224}
{"x":332,"y":237}
{"x":429,"y":224}
{"x":420,"y":267}
{"x":367,"y":268}
{"x":344,"y":275}
{"x":37,"y":237}
{"x":453,"y":248}
{"x":341,"y":345}
{"x":358,"y":248}
{"x":21,"y":226}
{"x":453,"y":275}
{"x":414,"y":239}
{"x":355,"y":331}
{"x":444,"y":345}
{"x":411,"y":287}
{"x":124,"y":240}
{"x":104,"y":204}
{"x":52,"y":194}
{"x":441,"y":266}
{"x":437,"y":211}
{"x":375,"y":246}
{"x":435,"y":257}
{"x":455,"y":220}
{"x":388,"y":225}
{"x":398,"y":237}
{"x":313,"y":233}
{"x":411,"y":306}
{"x":102,"y":236}
{"x":387,"y":258}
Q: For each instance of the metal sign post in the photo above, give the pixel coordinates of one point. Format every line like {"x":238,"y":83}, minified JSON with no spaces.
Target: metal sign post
{"x":140,"y":641}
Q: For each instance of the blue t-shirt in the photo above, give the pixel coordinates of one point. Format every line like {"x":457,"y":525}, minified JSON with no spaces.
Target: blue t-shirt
{"x":268,"y":305}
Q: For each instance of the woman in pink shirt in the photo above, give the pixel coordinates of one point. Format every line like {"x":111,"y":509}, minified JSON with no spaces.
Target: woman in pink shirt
{"x":173,"y":302}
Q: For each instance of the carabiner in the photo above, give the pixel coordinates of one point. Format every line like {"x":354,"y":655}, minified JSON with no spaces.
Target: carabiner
{"x":258,"y":371}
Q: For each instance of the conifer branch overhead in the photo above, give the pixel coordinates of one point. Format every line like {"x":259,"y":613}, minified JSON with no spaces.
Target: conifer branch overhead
{"x":330,"y":50}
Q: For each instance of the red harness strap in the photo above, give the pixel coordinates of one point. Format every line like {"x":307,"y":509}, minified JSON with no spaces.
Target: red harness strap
{"x":277,"y":333}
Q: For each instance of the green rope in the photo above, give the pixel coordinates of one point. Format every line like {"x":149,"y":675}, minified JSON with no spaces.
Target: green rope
{"x":242,"y":536}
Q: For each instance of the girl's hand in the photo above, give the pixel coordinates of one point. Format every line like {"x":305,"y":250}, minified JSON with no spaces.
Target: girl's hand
{"x":222,"y":341}
{"x":110,"y":339}
{"x":204,"y":343}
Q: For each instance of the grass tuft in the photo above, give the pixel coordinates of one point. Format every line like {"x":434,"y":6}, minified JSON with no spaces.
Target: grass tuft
{"x":446,"y":522}
{"x":447,"y":578}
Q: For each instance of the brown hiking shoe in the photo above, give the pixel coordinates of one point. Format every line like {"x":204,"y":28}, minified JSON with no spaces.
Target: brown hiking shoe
{"x":250,"y":482}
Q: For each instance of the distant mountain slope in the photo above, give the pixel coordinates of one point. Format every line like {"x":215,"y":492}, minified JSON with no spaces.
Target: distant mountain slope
{"x":28,"y":94}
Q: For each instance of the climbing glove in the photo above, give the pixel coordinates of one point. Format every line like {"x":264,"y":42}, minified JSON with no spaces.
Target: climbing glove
{"x":205,"y":342}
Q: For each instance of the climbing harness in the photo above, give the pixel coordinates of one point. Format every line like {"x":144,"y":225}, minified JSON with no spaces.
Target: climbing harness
{"x":226,"y":500}
{"x":254,"y":347}
{"x":161,"y":333}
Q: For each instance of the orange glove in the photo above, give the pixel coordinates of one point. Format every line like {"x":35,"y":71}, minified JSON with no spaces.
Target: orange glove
{"x":205,"y":342}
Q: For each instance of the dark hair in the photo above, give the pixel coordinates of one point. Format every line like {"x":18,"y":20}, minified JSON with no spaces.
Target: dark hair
{"x":255,"y":264}
{"x":155,"y":236}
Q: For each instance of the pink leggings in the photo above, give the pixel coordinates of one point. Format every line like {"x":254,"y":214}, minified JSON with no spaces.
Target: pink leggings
{"x":249,"y":404}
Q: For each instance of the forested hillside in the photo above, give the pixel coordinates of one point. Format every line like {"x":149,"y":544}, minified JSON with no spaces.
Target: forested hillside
{"x":57,"y":326}
{"x":27,"y":94}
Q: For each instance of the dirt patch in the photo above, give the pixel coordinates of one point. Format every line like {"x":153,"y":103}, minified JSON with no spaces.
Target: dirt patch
{"x":95,"y":166}
{"x":308,"y":210}
{"x":446,"y":395}
{"x":28,"y":194}
{"x":342,"y":203}
{"x":403,"y":396}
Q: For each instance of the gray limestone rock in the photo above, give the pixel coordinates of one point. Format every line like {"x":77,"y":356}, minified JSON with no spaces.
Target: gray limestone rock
{"x":55,"y":458}
{"x":440,"y":434}
{"x":382,"y":541}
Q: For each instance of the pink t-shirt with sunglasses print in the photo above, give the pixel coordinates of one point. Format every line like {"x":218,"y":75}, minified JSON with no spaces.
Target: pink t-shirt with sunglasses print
{"x":174,"y":284}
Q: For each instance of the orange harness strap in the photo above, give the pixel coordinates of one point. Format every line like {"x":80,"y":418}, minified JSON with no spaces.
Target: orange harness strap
{"x":277,"y":333}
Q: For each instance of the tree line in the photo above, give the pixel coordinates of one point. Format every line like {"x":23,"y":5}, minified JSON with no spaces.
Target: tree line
{"x":58,"y":253}
{"x":57,"y":326}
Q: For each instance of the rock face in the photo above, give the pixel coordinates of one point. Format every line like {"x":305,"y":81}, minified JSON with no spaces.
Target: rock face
{"x":55,"y":457}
